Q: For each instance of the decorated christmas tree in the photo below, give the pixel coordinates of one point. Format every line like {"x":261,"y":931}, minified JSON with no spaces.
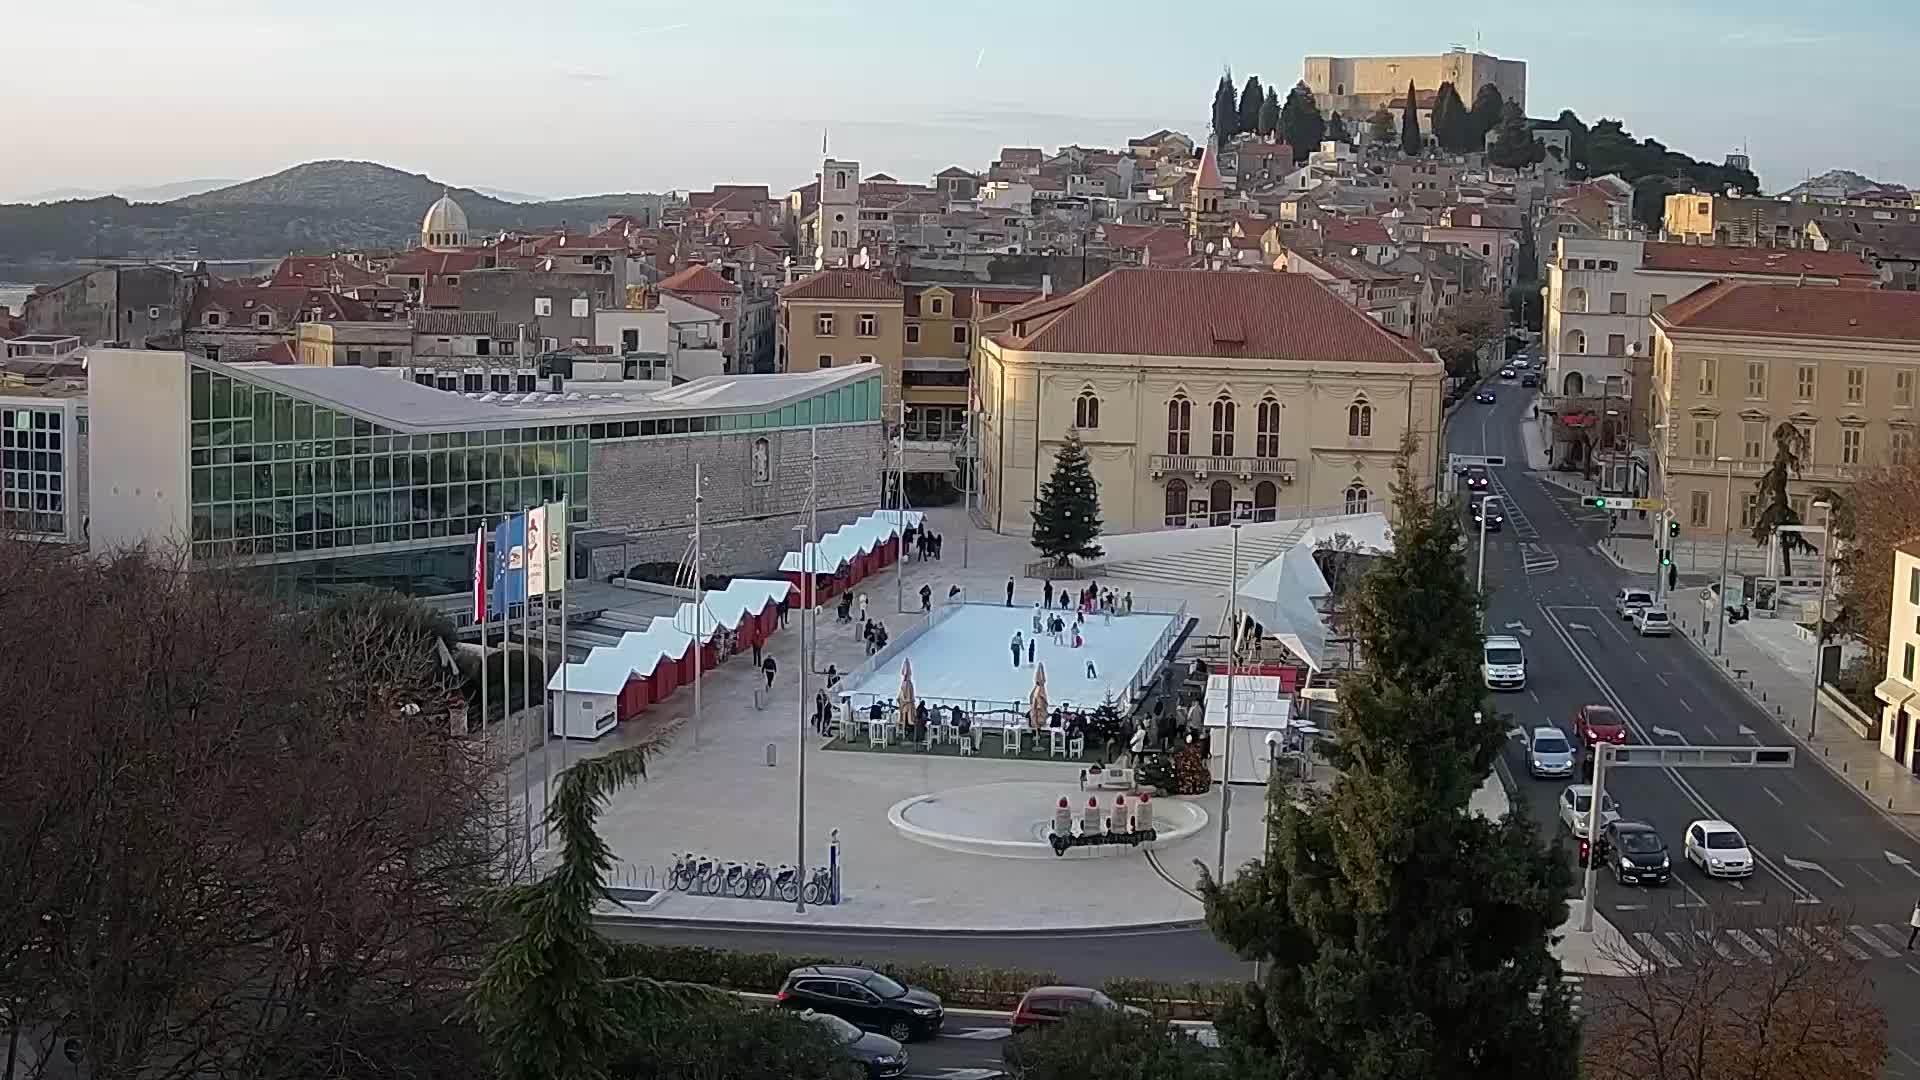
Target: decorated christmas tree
{"x":1066,"y":517}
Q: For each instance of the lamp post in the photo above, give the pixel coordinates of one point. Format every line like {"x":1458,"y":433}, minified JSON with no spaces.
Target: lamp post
{"x":1726,"y":541}
{"x":1487,"y":506}
{"x":1226,"y":736}
{"x":1820,"y":620}
{"x":1266,"y":815}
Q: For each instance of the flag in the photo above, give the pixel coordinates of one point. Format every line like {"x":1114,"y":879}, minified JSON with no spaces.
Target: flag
{"x":480,"y":575}
{"x":557,"y":546}
{"x":509,"y":563}
{"x":537,"y":551}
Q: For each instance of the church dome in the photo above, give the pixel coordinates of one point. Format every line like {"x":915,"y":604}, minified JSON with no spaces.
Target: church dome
{"x":445,"y":225}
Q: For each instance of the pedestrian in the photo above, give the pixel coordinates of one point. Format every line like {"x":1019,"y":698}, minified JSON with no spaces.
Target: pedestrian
{"x":953,"y":594}
{"x":783,"y":614}
{"x":756,"y":654}
{"x":769,"y":667}
{"x":1032,"y":643}
{"x":821,"y":711}
{"x":1673,"y":576}
{"x":1126,"y":603}
{"x":833,"y":676}
{"x":939,"y":542}
{"x":1090,"y":672}
{"x":1913,"y":921}
{"x":1049,"y":593}
{"x":926,"y":599}
{"x":863,"y":610}
{"x":1009,"y":592}
{"x":1016,"y":648}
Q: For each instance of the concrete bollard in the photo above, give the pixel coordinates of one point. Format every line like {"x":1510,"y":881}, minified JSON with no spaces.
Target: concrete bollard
{"x":1063,"y":818}
{"x":1146,"y":810}
{"x":773,"y":756}
{"x":1117,"y":820}
{"x":1090,"y":821}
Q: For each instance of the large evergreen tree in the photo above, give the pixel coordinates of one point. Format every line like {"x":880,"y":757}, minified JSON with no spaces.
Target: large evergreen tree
{"x":1380,"y":126}
{"x":1270,"y":113}
{"x":1226,"y":112}
{"x":1066,"y":516}
{"x":1775,"y":508}
{"x":1514,"y":146}
{"x":1251,"y":98}
{"x":1403,"y":935}
{"x":1410,"y":141}
{"x":1452,"y":125}
{"x":1301,"y":125}
{"x":1337,"y":129}
{"x":1487,"y":108}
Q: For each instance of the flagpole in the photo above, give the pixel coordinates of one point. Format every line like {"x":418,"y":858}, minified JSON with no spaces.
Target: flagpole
{"x":566,"y":550}
{"x":526,"y":684}
{"x":699,"y":606}
{"x":546,"y":697}
{"x":800,"y":709}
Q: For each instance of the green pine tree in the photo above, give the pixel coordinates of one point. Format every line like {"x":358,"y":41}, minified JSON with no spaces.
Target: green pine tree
{"x":1270,"y":113}
{"x":1226,"y":112}
{"x":1404,"y":936}
{"x":1066,"y":516}
{"x":1301,"y":125}
{"x":1380,"y":126}
{"x":1452,"y":125}
{"x":1487,"y":107}
{"x":1410,"y":141}
{"x":1514,"y":146}
{"x":1337,"y":129}
{"x":1252,"y":97}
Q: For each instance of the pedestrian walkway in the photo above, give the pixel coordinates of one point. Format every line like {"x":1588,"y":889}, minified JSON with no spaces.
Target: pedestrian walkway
{"x":1782,"y":685}
{"x":1693,"y":947}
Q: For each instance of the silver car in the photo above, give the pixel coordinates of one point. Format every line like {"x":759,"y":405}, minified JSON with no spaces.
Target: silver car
{"x":1549,"y":753}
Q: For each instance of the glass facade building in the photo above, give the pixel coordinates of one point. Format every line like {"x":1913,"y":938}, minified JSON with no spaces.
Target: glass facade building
{"x":38,"y":446}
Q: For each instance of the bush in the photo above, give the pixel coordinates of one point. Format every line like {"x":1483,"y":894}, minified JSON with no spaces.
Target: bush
{"x":731,"y":1044}
{"x":1112,"y":1046}
{"x":1185,"y":771}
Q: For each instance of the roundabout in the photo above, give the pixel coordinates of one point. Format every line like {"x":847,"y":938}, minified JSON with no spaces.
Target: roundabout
{"x":1021,"y":820}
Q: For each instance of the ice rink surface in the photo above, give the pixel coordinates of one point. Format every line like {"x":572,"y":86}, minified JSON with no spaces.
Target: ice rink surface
{"x":969,"y":657}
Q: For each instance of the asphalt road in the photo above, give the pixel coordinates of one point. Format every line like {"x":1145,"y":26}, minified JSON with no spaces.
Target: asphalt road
{"x":1822,"y":850}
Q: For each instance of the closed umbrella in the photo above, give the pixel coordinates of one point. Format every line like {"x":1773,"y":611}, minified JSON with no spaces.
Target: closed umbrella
{"x":906,"y":692}
{"x":1037,"y":704}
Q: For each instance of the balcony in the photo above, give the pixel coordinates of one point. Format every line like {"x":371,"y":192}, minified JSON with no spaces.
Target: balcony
{"x":1753,"y":470}
{"x":1244,"y":467}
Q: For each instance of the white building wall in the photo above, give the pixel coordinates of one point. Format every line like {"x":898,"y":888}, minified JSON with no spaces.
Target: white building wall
{"x":137,"y":451}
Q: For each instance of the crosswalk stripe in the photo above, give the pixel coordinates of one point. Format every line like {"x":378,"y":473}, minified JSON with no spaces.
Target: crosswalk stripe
{"x":1718,"y":946}
{"x":1807,"y":941}
{"x":1746,"y":942}
{"x":983,"y":1034}
{"x":1852,"y":950}
{"x":1772,"y":939}
{"x":1879,"y":946}
{"x":1892,"y":933}
{"x":1652,"y":945}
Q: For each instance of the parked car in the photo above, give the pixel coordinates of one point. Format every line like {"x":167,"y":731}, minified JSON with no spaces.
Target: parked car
{"x":1635,"y":853}
{"x":1576,"y":807}
{"x":1653,"y":622}
{"x":1529,"y":379}
{"x":1051,"y":1004}
{"x":1718,"y":849}
{"x":880,"y":1056}
{"x":1628,"y":601}
{"x":1549,"y":753}
{"x":865,"y":998}
{"x":1597,"y":724}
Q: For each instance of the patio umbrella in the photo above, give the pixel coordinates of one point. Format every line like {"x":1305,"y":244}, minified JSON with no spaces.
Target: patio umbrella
{"x":1037,"y":704}
{"x":906,"y":691}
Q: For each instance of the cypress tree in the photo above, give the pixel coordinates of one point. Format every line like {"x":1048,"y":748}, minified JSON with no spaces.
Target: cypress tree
{"x":1301,"y":124}
{"x":1410,"y":141}
{"x":1403,"y":935}
{"x":1251,"y":98}
{"x":1487,"y":107}
{"x":1452,"y":126}
{"x":1226,"y":114}
{"x":1337,"y":129}
{"x":1066,"y":516}
{"x":1270,"y":113}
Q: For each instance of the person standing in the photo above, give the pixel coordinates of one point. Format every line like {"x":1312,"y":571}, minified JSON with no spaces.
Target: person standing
{"x":926,"y":599}
{"x":1913,"y":921}
{"x":1015,"y":644}
{"x":1049,"y":593}
{"x":1009,"y":592}
{"x":769,"y":667}
{"x":863,"y":613}
{"x":756,"y":654}
{"x":1032,"y":643}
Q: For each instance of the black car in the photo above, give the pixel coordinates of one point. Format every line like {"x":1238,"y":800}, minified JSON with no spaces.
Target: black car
{"x":1484,"y":397}
{"x":1529,"y":379}
{"x":1494,"y":518}
{"x":866,"y":999}
{"x":1636,"y":853}
{"x":1478,"y":479}
{"x":880,"y":1056}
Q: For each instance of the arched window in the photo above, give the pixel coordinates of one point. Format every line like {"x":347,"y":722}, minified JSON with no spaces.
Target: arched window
{"x":1266,"y":500}
{"x":1574,"y":385}
{"x":1358,"y":498}
{"x":1360,"y":420}
{"x":1576,"y":300}
{"x":1179,"y":425}
{"x":1223,"y":426}
{"x":1576,"y":342}
{"x":1177,"y":503}
{"x":840,"y":181}
{"x":1086,"y":411}
{"x":1220,"y":503}
{"x":1266,"y":439}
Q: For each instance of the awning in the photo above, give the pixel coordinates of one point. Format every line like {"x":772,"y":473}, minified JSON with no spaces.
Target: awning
{"x":1894,"y":692}
{"x":1282,"y":595}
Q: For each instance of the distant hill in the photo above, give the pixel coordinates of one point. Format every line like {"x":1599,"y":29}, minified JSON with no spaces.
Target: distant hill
{"x":157,"y":193}
{"x":1844,"y":183}
{"x":317,"y":207}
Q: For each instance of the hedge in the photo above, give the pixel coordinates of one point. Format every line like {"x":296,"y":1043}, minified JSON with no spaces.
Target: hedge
{"x":960,"y":988}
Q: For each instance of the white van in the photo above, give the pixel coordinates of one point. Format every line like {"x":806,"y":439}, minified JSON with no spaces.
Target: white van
{"x":1503,"y":664}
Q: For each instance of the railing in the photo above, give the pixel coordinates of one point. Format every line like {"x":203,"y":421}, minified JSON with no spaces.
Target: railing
{"x":1239,"y":466}
{"x":1758,"y":468}
{"x":1143,"y":676}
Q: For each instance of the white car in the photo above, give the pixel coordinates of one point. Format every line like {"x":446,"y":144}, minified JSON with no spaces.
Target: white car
{"x":1519,"y":362}
{"x":1718,"y":849}
{"x":1576,"y":809}
{"x":1628,"y":601}
{"x":1653,"y":622}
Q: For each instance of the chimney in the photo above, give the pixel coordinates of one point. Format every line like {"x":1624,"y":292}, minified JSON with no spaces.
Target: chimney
{"x":1046,"y":286}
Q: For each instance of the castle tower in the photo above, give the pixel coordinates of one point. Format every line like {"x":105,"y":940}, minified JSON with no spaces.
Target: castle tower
{"x":839,"y":228}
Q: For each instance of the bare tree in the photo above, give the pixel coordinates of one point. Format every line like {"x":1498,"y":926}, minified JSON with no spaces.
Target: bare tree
{"x":1720,"y":1011}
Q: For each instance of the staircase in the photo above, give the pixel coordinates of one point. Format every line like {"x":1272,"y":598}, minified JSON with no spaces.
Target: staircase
{"x":1212,"y":565}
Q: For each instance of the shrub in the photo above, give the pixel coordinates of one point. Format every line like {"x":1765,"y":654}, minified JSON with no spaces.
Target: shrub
{"x":1111,"y":1045}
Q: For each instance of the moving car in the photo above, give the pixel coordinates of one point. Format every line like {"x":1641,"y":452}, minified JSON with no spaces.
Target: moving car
{"x":1549,"y":753}
{"x":1576,"y":806}
{"x":1485,"y":397}
{"x":1478,"y":478}
{"x":1718,"y":849}
{"x":880,"y":1056}
{"x":1597,"y":724}
{"x":1503,"y":664}
{"x":866,"y":999}
{"x":1628,"y":601}
{"x":1653,"y":622}
{"x":1507,"y":373}
{"x":1635,"y":853}
{"x":1494,"y":518}
{"x":1518,"y":363}
{"x":1529,"y":379}
{"x":1051,"y":1004}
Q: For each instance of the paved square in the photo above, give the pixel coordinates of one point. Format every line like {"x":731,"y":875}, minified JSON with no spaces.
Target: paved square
{"x":969,"y":657}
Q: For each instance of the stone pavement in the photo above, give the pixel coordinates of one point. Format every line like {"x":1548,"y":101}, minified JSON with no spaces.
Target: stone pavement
{"x":1760,"y":659}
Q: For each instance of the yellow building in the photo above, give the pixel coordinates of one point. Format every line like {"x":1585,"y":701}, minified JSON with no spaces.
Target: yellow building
{"x":1202,"y":397}
{"x":833,"y":318}
{"x":1899,"y":692}
{"x":1732,"y":361}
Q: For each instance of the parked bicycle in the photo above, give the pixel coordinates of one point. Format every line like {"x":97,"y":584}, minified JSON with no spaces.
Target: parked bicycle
{"x":759,"y":879}
{"x":786,"y":882}
{"x":819,"y":887}
{"x":680,"y":878}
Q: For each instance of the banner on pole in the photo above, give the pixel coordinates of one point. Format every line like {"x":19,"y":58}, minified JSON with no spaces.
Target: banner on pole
{"x":556,"y":546}
{"x":537,"y":551}
{"x":480,"y":575}
{"x":509,"y":564}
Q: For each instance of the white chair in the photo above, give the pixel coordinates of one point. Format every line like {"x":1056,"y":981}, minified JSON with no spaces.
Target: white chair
{"x":1057,"y":746}
{"x":970,"y":743}
{"x":1077,"y":746}
{"x":1010,"y":740}
{"x":877,"y":733}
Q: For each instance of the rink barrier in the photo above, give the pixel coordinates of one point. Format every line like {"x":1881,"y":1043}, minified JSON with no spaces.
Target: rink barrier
{"x":916,"y":629}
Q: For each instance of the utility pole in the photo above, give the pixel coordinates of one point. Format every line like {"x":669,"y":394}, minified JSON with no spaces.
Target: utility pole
{"x":1226,"y":751}
{"x":1820,"y":621}
{"x":1726,"y":542}
{"x":806,"y":643}
{"x":699,"y":604}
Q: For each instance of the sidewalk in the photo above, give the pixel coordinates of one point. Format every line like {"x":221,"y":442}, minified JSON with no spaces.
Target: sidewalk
{"x":1779,"y":680}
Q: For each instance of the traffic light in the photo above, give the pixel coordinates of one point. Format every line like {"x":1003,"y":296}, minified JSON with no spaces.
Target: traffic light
{"x":1666,"y":557}
{"x":1673,"y":527}
{"x":1596,"y":501}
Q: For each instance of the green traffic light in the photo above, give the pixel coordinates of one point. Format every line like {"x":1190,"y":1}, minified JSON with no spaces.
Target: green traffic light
{"x":1673,"y":528}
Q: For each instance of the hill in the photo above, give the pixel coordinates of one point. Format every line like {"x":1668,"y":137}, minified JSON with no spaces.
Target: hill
{"x":1837,"y":183}
{"x":317,"y":207}
{"x":157,"y":193}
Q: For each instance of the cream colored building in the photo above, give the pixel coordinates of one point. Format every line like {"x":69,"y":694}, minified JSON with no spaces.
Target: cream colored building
{"x":1202,"y":397}
{"x":1735,"y":360}
{"x":837,"y":317}
{"x":1357,"y":85}
{"x":1900,"y":690}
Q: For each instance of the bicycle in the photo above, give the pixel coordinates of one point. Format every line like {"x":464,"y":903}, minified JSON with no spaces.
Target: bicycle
{"x":819,"y":887}
{"x":786,"y":882}
{"x":759,"y":879}
{"x":734,"y":879}
{"x":680,"y":877}
{"x":706,"y":876}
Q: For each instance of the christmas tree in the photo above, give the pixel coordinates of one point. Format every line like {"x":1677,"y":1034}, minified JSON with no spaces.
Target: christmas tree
{"x":1066,"y":517}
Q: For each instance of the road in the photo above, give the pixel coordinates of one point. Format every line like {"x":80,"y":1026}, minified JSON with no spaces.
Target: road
{"x":1821,"y":850}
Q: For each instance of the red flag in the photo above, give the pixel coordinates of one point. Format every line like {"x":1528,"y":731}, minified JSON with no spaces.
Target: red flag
{"x":480,"y":576}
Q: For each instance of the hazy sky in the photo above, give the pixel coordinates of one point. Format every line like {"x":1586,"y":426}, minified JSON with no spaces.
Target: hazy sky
{"x":581,"y":96}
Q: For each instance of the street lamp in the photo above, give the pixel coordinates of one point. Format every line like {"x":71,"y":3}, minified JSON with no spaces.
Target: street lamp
{"x":1266,"y":816}
{"x":1726,"y":541}
{"x":1226,"y":736}
{"x":1820,"y":621}
{"x":1487,"y":504}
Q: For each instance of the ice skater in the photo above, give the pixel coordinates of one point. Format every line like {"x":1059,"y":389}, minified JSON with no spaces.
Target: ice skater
{"x":1091,"y":674}
{"x":1049,"y":593}
{"x":1016,"y":644}
{"x":1032,"y":642}
{"x":1009,"y":592}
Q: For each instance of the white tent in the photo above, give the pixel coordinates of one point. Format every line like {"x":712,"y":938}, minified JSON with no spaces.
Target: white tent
{"x":1282,"y":595}
{"x":854,"y":539}
{"x":1259,"y":709}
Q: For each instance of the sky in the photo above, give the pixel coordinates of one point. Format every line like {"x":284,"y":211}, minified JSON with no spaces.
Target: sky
{"x":574,"y":97}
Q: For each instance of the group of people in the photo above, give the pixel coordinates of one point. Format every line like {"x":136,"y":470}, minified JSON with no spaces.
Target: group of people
{"x":1092,"y":599}
{"x":923,"y":545}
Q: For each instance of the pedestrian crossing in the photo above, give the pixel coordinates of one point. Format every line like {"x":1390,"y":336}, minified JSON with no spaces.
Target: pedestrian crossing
{"x":1859,"y":942}
{"x":1538,"y":559}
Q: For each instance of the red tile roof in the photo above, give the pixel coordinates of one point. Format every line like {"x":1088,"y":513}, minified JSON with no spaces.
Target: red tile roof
{"x":441,"y":297}
{"x":1756,"y":308}
{"x":841,"y":284}
{"x":698,"y":279}
{"x":1158,"y":241}
{"x":1156,"y":312}
{"x":435,"y":263}
{"x":323,"y":272}
{"x":1347,"y":233}
{"x":1700,"y":258}
{"x":292,"y":303}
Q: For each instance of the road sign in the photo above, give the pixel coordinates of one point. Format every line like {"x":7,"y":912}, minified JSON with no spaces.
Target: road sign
{"x":1620,"y":502}
{"x":1699,"y":757}
{"x":1491,"y":461}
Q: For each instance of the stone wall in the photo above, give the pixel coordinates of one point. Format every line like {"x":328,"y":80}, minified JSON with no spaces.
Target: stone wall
{"x":643,"y":488}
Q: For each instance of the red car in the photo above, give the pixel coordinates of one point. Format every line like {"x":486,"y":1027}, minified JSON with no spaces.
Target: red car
{"x":1599,"y":723}
{"x":1044,"y":1005}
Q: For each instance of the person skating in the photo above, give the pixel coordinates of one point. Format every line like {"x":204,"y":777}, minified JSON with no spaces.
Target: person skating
{"x":1032,"y":642}
{"x":1016,"y":645}
{"x":1049,"y":592}
{"x":1090,"y":672}
{"x":1037,"y":625}
{"x":1009,"y":592}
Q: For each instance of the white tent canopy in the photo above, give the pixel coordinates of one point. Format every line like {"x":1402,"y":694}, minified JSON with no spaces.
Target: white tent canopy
{"x":850,"y":541}
{"x":1282,"y":595}
{"x":1259,"y":709}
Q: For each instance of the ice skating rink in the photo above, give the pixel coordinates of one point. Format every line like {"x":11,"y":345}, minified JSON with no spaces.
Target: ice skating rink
{"x":969,"y":657}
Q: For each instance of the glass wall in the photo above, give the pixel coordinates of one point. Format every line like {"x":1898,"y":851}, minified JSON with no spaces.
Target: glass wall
{"x":33,"y":471}
{"x":272,"y":473}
